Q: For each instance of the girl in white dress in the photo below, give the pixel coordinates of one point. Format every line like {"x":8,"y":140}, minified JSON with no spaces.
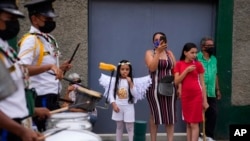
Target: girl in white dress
{"x":123,"y":94}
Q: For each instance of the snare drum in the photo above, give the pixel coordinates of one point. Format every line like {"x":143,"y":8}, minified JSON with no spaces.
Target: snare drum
{"x":82,"y":97}
{"x":66,"y":117}
{"x":81,"y":125}
{"x":73,"y":135}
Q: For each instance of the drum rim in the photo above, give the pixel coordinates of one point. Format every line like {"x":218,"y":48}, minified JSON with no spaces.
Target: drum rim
{"x":79,"y":131}
{"x":81,"y":115}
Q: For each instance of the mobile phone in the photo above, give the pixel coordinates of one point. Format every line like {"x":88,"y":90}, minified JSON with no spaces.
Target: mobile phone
{"x":163,"y":38}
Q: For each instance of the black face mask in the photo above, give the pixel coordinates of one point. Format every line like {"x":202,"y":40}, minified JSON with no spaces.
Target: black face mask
{"x":210,"y":51}
{"x":11,"y":31}
{"x":48,"y":27}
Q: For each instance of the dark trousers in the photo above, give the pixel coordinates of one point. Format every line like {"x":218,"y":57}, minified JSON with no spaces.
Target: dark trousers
{"x":211,"y":116}
{"x":8,"y":136}
{"x":51,"y":102}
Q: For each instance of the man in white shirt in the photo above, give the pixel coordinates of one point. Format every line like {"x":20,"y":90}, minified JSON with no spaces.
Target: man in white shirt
{"x":13,"y":108}
{"x":40,"y":48}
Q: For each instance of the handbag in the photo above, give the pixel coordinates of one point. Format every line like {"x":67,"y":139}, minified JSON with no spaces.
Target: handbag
{"x":166,"y":86}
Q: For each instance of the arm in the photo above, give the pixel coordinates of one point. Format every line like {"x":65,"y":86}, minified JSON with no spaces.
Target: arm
{"x":218,"y":94}
{"x":179,"y":90}
{"x":172,"y":57}
{"x":66,"y":96}
{"x":152,"y":58}
{"x":204,"y":94}
{"x":112,"y":99}
{"x":17,"y":129}
{"x":179,"y":77}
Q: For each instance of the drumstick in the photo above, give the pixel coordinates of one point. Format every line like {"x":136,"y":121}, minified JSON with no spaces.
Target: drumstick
{"x":66,"y":79}
{"x":67,"y":108}
{"x":73,"y":55}
{"x":82,"y":88}
{"x":59,"y":110}
{"x":89,"y":92}
{"x":52,"y":133}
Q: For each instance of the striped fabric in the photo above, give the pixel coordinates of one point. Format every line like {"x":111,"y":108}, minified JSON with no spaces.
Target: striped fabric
{"x":163,"y":108}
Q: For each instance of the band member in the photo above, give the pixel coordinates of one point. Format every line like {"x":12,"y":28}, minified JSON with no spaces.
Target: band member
{"x":40,"y":48}
{"x":13,"y":110}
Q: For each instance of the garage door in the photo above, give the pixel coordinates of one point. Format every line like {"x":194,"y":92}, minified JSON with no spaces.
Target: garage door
{"x":123,"y":30}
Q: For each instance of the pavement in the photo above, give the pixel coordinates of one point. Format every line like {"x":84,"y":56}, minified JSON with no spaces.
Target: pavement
{"x":160,"y":137}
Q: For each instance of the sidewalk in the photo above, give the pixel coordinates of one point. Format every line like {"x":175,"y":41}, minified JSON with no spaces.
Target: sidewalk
{"x":160,"y":137}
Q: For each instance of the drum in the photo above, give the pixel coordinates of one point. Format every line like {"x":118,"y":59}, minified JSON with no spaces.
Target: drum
{"x":80,"y":125}
{"x":66,"y":117}
{"x":82,"y":97}
{"x":72,"y":135}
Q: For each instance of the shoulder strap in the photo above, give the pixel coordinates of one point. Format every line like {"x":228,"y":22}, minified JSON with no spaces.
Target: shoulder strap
{"x":37,"y":42}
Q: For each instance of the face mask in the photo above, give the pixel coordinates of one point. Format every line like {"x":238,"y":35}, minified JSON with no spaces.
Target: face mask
{"x":11,"y":31}
{"x":210,"y":51}
{"x":48,"y":27}
{"x":156,"y":44}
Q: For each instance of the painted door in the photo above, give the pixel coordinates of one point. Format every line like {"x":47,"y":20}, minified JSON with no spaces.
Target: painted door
{"x":124,"y":29}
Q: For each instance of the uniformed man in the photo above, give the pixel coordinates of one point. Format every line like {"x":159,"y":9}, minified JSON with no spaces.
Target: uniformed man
{"x":13,"y":108}
{"x":40,"y":48}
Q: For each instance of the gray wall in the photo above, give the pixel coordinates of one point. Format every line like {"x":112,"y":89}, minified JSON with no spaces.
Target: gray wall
{"x":241,"y":53}
{"x":72,"y":28}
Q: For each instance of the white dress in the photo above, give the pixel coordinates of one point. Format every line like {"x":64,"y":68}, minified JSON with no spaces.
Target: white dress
{"x":126,"y":113}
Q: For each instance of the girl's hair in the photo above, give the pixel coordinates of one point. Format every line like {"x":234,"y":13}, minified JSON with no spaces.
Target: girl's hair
{"x":187,"y":47}
{"x":118,"y":75}
{"x":161,"y":33}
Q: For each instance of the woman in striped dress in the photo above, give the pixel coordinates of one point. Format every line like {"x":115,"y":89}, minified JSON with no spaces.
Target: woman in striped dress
{"x":160,"y":63}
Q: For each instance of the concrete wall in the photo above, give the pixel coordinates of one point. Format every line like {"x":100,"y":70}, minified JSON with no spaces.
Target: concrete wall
{"x":241,"y":53}
{"x":72,"y":28}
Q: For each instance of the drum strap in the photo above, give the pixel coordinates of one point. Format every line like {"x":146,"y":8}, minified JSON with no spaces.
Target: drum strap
{"x":38,"y":43}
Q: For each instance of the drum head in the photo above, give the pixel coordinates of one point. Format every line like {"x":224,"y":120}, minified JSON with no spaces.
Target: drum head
{"x":81,"y":125}
{"x":73,"y":135}
{"x":69,"y":115}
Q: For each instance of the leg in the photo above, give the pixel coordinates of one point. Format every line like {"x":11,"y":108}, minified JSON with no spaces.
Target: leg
{"x":170,"y":132}
{"x":211,"y":115}
{"x":119,"y":130}
{"x":153,"y":128}
{"x":194,"y":131}
{"x":130,"y":130}
{"x":188,"y":132}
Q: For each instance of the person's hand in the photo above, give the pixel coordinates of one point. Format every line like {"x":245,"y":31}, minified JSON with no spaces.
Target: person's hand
{"x":218,"y":94}
{"x":58,"y":72}
{"x":205,"y":105}
{"x":115,"y":107}
{"x":29,"y":135}
{"x":179,"y":92}
{"x":162,"y":47}
{"x":71,"y":88}
{"x":191,"y":68}
{"x":42,"y":113}
{"x":65,"y":66}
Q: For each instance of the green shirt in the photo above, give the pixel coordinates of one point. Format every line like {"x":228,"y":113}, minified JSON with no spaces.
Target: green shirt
{"x":210,"y":67}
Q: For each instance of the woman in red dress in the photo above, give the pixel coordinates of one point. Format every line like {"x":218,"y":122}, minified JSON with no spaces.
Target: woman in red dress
{"x":189,"y":76}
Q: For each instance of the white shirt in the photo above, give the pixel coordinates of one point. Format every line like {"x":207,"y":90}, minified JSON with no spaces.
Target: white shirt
{"x":14,"y":105}
{"x":44,"y":83}
{"x":122,"y":94}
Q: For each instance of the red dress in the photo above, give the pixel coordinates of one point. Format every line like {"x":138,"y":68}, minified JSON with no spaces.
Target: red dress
{"x":191,"y":94}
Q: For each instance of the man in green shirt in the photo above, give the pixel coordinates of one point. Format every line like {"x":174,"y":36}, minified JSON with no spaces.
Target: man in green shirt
{"x":209,"y":61}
